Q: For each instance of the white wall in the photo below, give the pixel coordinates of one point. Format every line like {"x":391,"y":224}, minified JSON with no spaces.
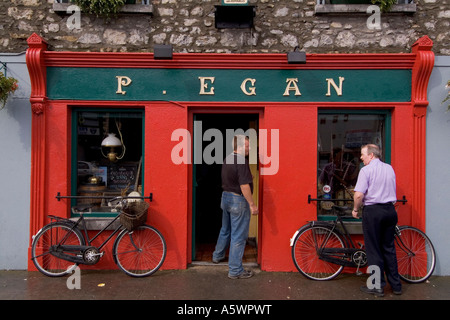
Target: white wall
{"x":438,"y":165}
{"x":15,"y":146}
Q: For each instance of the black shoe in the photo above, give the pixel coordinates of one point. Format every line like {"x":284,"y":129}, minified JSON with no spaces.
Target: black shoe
{"x":376,"y":292}
{"x":397,"y":292}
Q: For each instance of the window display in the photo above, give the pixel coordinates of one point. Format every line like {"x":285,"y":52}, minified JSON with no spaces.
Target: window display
{"x":108,"y":151}
{"x":340,"y":137}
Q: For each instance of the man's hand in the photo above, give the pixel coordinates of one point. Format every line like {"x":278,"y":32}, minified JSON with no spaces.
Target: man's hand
{"x":254,"y":209}
{"x":247,"y":193}
{"x":357,"y":203}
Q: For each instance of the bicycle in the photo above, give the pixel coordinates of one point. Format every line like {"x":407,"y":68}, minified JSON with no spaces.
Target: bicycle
{"x":59,"y":247}
{"x":320,"y":250}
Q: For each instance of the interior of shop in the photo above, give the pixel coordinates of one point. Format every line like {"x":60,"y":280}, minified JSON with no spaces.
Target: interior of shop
{"x":207,"y":214}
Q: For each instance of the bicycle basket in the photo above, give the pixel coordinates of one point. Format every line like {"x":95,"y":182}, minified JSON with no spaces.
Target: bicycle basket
{"x":134,"y":214}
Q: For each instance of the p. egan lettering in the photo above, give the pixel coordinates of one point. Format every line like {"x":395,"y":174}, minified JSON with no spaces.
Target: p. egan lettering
{"x":248,"y":86}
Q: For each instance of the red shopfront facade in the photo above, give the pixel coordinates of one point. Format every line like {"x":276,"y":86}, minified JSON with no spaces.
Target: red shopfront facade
{"x":310,"y":120}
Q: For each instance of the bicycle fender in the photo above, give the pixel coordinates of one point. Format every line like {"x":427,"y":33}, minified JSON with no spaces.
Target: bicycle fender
{"x":68,"y":223}
{"x":292,"y":239}
{"x":320,"y":224}
{"x":309,"y":224}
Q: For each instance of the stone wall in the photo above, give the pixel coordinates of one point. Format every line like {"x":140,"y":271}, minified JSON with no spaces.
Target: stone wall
{"x":189,"y":25}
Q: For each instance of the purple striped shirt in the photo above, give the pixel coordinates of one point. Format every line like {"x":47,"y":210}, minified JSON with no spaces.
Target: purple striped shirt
{"x":377,"y":182}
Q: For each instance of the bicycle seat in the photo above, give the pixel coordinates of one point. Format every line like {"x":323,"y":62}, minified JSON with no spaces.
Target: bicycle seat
{"x":342,"y":210}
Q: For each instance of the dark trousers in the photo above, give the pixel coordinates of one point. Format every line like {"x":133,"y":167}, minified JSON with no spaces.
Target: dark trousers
{"x":379,"y":223}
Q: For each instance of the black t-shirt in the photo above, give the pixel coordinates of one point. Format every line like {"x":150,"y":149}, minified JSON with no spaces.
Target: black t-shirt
{"x":236,"y":172}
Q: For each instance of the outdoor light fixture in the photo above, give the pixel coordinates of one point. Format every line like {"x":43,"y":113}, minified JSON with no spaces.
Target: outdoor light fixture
{"x":163,"y":51}
{"x":296,"y":56}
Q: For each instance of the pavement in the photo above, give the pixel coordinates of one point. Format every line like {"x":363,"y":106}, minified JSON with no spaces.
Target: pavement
{"x":204,"y":282}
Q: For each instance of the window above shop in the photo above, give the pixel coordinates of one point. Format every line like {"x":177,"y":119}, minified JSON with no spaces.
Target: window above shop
{"x":131,"y":6}
{"x":360,"y":6}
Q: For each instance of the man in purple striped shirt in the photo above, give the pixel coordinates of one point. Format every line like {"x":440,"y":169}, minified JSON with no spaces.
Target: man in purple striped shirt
{"x":376,"y":189}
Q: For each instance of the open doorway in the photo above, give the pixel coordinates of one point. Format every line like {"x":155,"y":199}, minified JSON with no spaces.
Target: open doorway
{"x":207,"y":189}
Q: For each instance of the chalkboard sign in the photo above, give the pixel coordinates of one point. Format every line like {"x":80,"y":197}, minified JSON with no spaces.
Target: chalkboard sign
{"x":122,"y":176}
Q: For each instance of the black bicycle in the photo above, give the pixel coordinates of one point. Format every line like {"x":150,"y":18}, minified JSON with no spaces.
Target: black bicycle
{"x":139,"y":249}
{"x":321,"y":249}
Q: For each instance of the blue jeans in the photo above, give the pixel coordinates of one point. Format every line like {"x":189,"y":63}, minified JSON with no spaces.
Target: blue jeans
{"x":234,"y":231}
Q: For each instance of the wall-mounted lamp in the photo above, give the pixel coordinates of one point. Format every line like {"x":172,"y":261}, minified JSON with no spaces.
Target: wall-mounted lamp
{"x":163,"y":51}
{"x":296,"y":56}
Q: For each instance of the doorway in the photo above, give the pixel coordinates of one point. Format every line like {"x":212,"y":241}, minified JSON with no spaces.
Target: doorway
{"x":207,"y":185}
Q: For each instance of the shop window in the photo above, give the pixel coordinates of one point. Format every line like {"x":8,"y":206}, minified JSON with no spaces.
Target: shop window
{"x":340,"y":137}
{"x":107,"y":157}
{"x":360,"y":6}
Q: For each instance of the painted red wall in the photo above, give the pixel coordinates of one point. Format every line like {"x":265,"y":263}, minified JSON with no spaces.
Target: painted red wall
{"x":167,"y":181}
{"x":285,"y":206}
{"x":284,"y":195}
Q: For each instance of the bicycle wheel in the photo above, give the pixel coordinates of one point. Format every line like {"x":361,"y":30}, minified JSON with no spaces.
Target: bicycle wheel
{"x":44,"y":247}
{"x":416,"y":257}
{"x":141,"y":252}
{"x":306,"y":248}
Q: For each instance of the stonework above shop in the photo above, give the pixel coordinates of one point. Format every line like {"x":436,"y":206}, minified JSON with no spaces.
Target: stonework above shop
{"x":189,"y":25}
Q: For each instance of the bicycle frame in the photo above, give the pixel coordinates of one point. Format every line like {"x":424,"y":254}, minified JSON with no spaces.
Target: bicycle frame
{"x":340,"y":256}
{"x":59,"y":249}
{"x":89,"y":240}
{"x":346,"y":235}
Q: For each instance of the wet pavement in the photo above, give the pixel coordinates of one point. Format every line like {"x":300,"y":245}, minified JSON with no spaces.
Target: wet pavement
{"x":203,"y":283}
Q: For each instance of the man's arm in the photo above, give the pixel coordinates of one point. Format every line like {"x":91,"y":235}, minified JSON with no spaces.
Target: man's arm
{"x":357,"y":203}
{"x":247,"y":193}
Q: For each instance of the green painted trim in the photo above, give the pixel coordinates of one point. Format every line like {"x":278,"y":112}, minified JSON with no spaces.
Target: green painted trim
{"x":96,"y":215}
{"x":333,"y":218}
{"x":374,"y":85}
{"x":194,"y":196}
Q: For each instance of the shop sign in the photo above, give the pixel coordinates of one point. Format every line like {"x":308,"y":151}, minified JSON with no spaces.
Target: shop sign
{"x":286,"y":85}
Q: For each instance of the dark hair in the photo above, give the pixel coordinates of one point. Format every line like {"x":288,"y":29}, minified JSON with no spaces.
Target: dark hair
{"x":239,"y":140}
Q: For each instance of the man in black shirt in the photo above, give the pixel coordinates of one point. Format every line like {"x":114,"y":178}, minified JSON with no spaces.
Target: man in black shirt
{"x":237,"y":204}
